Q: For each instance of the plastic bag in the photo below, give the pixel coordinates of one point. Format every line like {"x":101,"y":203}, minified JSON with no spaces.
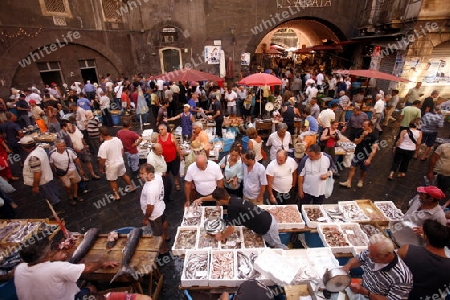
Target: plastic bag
{"x":329,"y":185}
{"x":5,"y":186}
{"x":142,"y":107}
{"x":348,"y":159}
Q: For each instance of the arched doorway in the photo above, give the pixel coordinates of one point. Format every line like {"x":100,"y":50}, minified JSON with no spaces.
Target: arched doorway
{"x":170,"y":59}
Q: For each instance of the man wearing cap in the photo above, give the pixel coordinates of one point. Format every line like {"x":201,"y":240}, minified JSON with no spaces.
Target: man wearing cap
{"x":37,"y":172}
{"x":187,"y":119}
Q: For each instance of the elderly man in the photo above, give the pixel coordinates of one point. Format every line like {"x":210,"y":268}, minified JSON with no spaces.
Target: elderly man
{"x":440,"y":165}
{"x":198,"y":134}
{"x":64,"y":162}
{"x":206,"y":176}
{"x":386,"y":275}
{"x":111,"y":162}
{"x":156,"y":159}
{"x":315,"y":109}
{"x":37,"y":172}
{"x":280,"y":139}
{"x":366,"y":148}
{"x":354,"y":124}
{"x":255,"y":180}
{"x":281,"y":178}
{"x":244,"y":213}
{"x":344,"y":102}
{"x":313,"y":172}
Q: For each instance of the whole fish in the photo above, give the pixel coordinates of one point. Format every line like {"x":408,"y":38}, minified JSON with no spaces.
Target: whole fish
{"x":128,"y":251}
{"x":89,"y":239}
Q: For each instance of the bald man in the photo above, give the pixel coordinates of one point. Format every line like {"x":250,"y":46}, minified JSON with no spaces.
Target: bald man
{"x":206,"y":175}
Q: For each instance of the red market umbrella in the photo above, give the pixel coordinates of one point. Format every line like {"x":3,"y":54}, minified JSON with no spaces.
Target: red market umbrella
{"x":260,"y":79}
{"x":372,"y":74}
{"x":273,"y":52}
{"x":188,"y":75}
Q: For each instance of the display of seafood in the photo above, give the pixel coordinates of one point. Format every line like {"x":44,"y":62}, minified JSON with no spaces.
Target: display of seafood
{"x":306,"y":272}
{"x":196,"y":266}
{"x":354,"y":235}
{"x":334,"y":213}
{"x":352,"y":212}
{"x":252,"y":239}
{"x":369,"y":229}
{"x":207,"y":241}
{"x":23,"y":232}
{"x":222,"y":265}
{"x":234,"y":241}
{"x":347,"y":146}
{"x":285,"y":213}
{"x":334,"y":237}
{"x":245,"y":262}
{"x":186,"y":239}
{"x":314,"y":214}
{"x":6,"y":230}
{"x":390,"y":210}
{"x":192,"y":216}
{"x":212,"y":212}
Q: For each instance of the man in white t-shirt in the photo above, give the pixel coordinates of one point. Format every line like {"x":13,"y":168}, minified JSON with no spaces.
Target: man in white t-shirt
{"x":230,"y":98}
{"x":378,"y":112}
{"x":206,"y":175}
{"x":41,"y":277}
{"x":152,"y":204}
{"x":327,"y":115}
{"x":281,"y":178}
{"x":313,"y":172}
{"x":111,"y":162}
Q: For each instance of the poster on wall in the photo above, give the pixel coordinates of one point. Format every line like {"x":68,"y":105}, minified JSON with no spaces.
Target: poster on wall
{"x":212,"y":54}
{"x":437,"y":71}
{"x":245,"y":59}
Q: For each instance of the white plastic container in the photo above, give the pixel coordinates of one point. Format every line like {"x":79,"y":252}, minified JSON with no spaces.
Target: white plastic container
{"x":178,"y":249}
{"x":361,"y":215}
{"x":334,"y":249}
{"x":226,"y":282}
{"x":204,"y":272}
{"x":282,"y":224}
{"x":393,"y":208}
{"x":313,"y":224}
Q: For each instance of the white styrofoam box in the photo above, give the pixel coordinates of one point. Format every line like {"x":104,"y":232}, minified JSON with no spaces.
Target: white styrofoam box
{"x":393,"y":207}
{"x":188,"y":213}
{"x":232,"y":282}
{"x":276,"y":267}
{"x":246,"y":252}
{"x":202,"y":235}
{"x":307,"y":270}
{"x":343,"y":204}
{"x":284,"y":225}
{"x":147,"y":134}
{"x":335,"y":249}
{"x":333,"y":208}
{"x":185,"y":282}
{"x":176,"y":250}
{"x":233,"y":244}
{"x":313,"y":224}
{"x":204,"y":208}
{"x":349,"y":228}
{"x":322,"y":259}
{"x":244,"y":229}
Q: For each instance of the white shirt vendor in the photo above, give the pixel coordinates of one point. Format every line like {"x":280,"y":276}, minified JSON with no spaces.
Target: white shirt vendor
{"x":231,"y":98}
{"x":205,"y":181}
{"x":275,"y":143}
{"x":158,"y":162}
{"x":48,"y":280}
{"x":311,"y":171}
{"x":282,"y":174}
{"x":253,"y":180}
{"x":153,"y":194}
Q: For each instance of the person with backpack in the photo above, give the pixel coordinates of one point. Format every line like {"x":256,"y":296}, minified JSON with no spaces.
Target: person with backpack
{"x":406,"y":145}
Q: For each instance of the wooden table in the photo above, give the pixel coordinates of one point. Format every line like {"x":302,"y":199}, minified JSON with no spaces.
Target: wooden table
{"x":144,"y":261}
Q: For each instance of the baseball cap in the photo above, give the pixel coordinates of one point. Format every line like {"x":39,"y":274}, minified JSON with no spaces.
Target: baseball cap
{"x":433,"y":191}
{"x":187,"y":105}
{"x":27,"y":140}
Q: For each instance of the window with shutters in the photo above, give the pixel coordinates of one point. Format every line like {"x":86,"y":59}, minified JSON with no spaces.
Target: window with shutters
{"x":112,"y":11}
{"x":58,"y":8}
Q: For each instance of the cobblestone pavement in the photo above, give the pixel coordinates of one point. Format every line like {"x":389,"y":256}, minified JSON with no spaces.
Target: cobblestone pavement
{"x":97,"y":211}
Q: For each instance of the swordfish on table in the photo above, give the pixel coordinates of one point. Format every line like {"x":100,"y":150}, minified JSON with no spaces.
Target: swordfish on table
{"x":88,"y":241}
{"x":128,"y":251}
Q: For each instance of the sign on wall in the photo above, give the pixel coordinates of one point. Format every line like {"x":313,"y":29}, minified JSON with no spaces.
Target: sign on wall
{"x":245,"y":59}
{"x":303,"y":3}
{"x":212,"y":54}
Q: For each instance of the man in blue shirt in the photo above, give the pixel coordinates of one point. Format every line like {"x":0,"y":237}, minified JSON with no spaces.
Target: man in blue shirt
{"x":193,"y":104}
{"x":89,"y":90}
{"x":83,"y":102}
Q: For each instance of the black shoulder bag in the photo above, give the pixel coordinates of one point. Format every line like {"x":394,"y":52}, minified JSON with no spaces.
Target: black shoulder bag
{"x":61,"y":172}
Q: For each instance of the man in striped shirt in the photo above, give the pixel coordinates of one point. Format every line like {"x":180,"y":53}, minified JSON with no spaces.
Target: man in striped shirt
{"x":385,"y":276}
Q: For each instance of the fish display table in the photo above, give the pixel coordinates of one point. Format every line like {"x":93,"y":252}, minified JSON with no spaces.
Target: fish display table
{"x":144,"y":262}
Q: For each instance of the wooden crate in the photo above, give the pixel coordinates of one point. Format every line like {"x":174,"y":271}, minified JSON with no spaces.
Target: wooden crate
{"x":370,"y":210}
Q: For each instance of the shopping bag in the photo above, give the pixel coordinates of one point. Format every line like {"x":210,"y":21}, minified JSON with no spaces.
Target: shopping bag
{"x":329,"y":185}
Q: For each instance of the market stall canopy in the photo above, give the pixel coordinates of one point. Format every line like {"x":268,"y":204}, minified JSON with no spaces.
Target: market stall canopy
{"x":188,"y":75}
{"x":273,"y":52}
{"x":371,"y":74}
{"x":260,"y":79}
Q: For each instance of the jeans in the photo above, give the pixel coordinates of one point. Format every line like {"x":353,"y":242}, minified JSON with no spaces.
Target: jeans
{"x":133,"y":161}
{"x":231,"y":110}
{"x":272,"y":238}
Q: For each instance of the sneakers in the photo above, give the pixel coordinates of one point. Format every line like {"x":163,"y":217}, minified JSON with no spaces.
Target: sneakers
{"x":360,"y":184}
{"x":346,"y":184}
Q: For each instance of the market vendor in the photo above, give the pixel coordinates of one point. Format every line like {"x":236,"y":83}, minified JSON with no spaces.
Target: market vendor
{"x":245,"y":213}
{"x":386,"y":275}
{"x":42,"y":276}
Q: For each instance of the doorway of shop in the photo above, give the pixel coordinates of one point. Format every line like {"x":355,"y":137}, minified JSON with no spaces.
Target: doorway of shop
{"x":170,"y":59}
{"x":88,"y":70}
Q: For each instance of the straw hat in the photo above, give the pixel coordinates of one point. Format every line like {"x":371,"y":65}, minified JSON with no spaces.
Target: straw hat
{"x":196,"y":146}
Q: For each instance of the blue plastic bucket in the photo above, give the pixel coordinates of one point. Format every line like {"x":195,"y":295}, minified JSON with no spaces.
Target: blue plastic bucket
{"x":245,"y":140}
{"x":115,"y":119}
{"x":285,"y":237}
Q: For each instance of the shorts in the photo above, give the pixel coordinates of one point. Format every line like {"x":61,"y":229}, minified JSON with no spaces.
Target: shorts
{"x":72,"y":177}
{"x":360,"y":162}
{"x":173,"y":167}
{"x":428,"y":138}
{"x":113,"y":172}
{"x":157,"y":225}
{"x":84,"y":156}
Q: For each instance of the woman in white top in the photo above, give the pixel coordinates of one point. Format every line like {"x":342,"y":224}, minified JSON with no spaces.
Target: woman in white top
{"x":232,"y":166}
{"x":406,"y":146}
{"x":255,"y":143}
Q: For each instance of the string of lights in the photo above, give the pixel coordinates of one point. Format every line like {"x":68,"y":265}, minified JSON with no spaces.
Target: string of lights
{"x":21,"y":32}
